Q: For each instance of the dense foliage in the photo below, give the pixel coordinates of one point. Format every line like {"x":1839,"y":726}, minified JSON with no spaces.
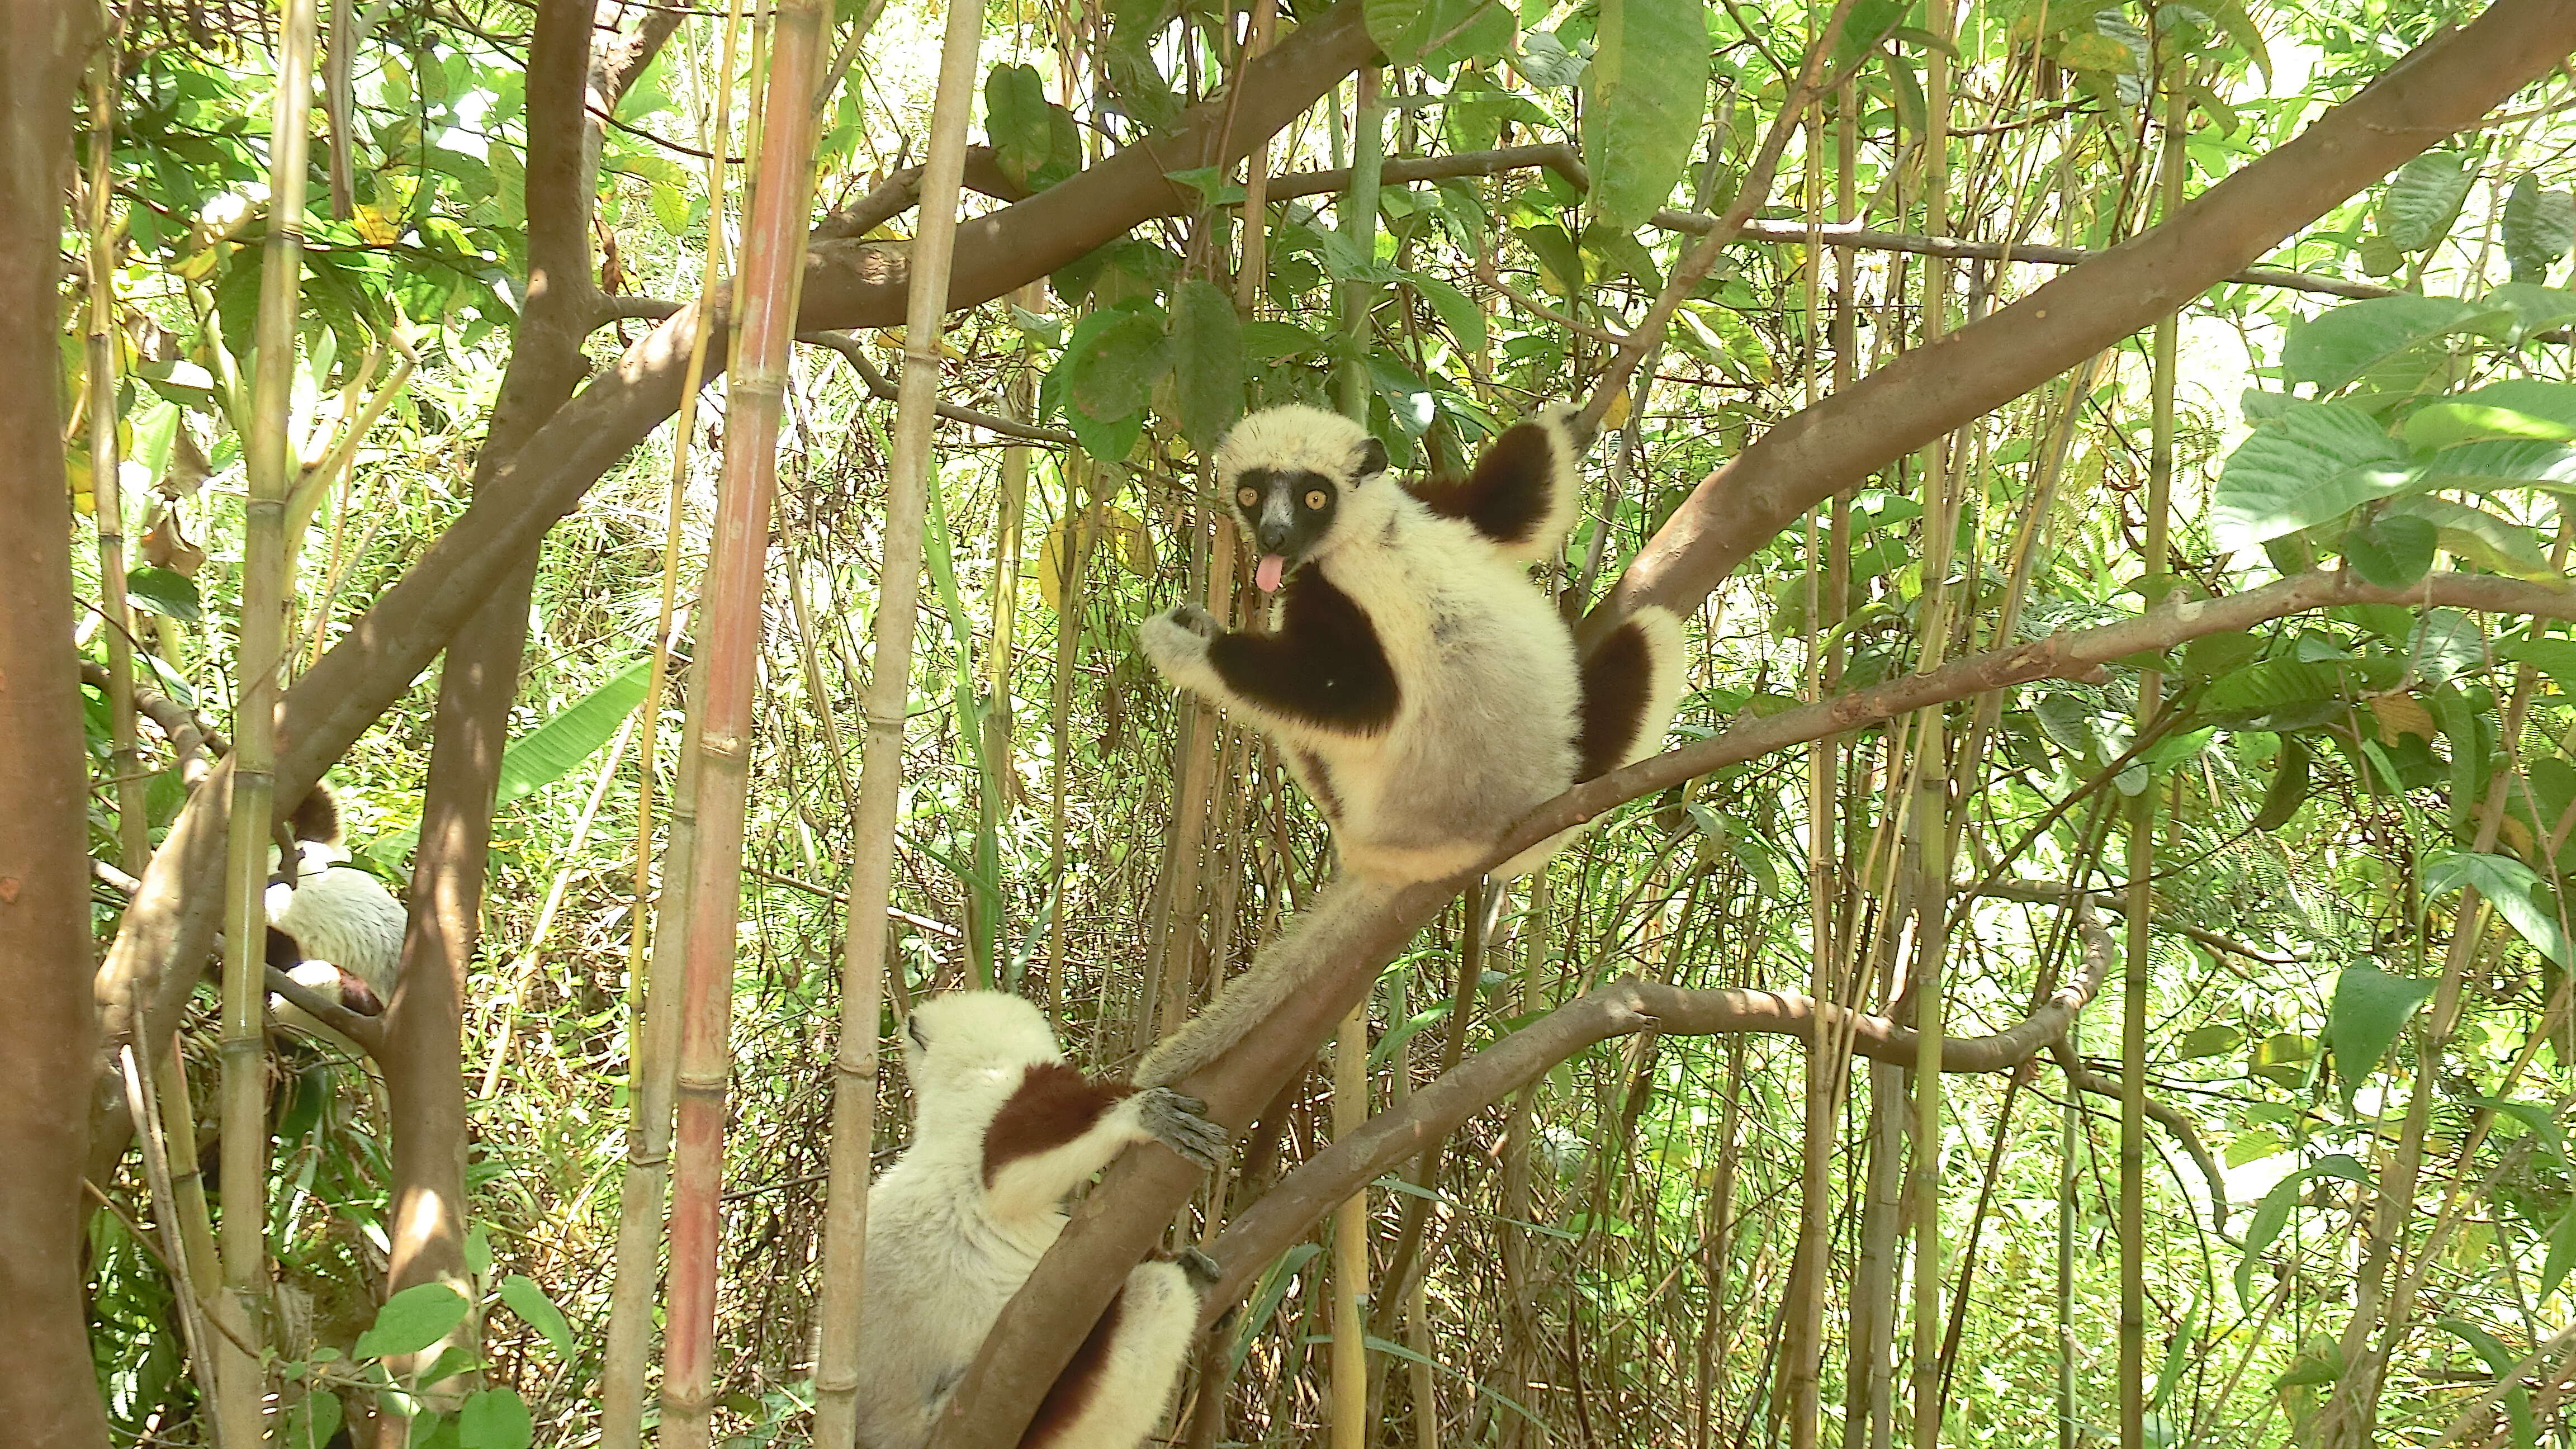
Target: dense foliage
{"x":2350,"y":821}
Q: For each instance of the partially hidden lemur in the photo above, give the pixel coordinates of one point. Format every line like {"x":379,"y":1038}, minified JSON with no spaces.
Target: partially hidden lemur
{"x":1421,"y":687}
{"x":1002,"y":1129}
{"x":332,"y":926}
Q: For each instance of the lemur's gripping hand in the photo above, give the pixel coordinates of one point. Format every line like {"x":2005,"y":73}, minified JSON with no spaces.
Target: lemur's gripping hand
{"x":1180,"y":1123}
{"x":1202,"y":1269}
{"x":1177,"y":641}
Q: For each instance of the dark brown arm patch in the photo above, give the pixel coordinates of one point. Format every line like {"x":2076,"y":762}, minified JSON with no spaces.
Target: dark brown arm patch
{"x":1324,"y":666}
{"x":1509,"y":494}
{"x":1074,"y":1389}
{"x":1617,"y":676}
{"x":1053,"y":1106}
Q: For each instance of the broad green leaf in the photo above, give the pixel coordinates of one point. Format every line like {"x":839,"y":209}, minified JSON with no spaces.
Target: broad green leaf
{"x":2370,"y":1007}
{"x":1034,"y":141}
{"x":2538,"y":226}
{"x":163,"y":592}
{"x":538,"y":1311}
{"x":2497,"y":545}
{"x":1110,"y":369}
{"x":2553,"y":657}
{"x":1865,"y":25}
{"x":2500,"y":463}
{"x":412,"y":1320}
{"x":2534,"y":1117}
{"x":1464,"y":319}
{"x":2523,"y":410}
{"x":1268,"y":341}
{"x":313,"y":1422}
{"x":1545,"y":62}
{"x":1206,"y":342}
{"x":494,"y":1419}
{"x":2273,"y":1213}
{"x":2423,"y":197}
{"x":1471,"y":30}
{"x":2390,"y":550}
{"x":2311,"y":464}
{"x":2562,"y":1252}
{"x":2507,"y":883}
{"x":2274,"y":684}
{"x":1398,"y":26}
{"x":547,"y":753}
{"x":2233,"y":18}
{"x":1645,"y":93}
{"x":2207,"y":1041}
{"x":2535,"y":308}
{"x":2333,"y":348}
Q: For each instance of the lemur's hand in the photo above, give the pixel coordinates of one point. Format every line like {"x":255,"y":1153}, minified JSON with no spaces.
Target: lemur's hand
{"x":1203,"y":1270}
{"x":1180,"y":1123}
{"x":1177,"y":639}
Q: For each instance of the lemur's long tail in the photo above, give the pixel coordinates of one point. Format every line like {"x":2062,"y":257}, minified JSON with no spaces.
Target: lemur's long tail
{"x":1632,"y":682}
{"x":1313,"y":942}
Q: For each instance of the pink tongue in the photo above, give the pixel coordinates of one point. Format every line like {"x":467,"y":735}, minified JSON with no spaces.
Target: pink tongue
{"x":1267,"y":572}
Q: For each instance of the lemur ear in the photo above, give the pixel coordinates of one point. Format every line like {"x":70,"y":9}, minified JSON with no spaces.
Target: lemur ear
{"x":1372,"y":460}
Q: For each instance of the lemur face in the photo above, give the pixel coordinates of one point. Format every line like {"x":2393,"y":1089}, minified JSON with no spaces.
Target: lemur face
{"x":1286,"y":511}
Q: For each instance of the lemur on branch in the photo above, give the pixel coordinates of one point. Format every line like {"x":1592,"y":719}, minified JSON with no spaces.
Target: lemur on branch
{"x":1002,"y":1129}
{"x":1421,"y":687}
{"x":332,"y":926}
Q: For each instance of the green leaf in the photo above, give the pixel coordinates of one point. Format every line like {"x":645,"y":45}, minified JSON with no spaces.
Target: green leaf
{"x":2390,"y":550}
{"x":2497,"y":545}
{"x":494,"y":1419}
{"x":2207,"y":1041}
{"x":1398,"y":26}
{"x":2508,"y":884}
{"x":2535,"y":308}
{"x":2289,"y":788}
{"x":1269,"y":341}
{"x":2562,"y":1253}
{"x":2423,"y":197}
{"x":538,"y":1311}
{"x":1645,"y":94}
{"x":2553,"y":657}
{"x":412,"y":1320}
{"x":160,"y":591}
{"x":1034,"y":141}
{"x":1484,"y":32}
{"x":2520,"y":409}
{"x":2500,"y":463}
{"x":547,"y":753}
{"x":2370,"y":1007}
{"x":2333,"y":348}
{"x":2273,"y":1213}
{"x":312,"y":1422}
{"x":2499,"y":1361}
{"x":1206,"y":342}
{"x":2311,"y":464}
{"x":2538,"y":226}
{"x":1545,"y":62}
{"x":1464,"y":319}
{"x":1110,"y":369}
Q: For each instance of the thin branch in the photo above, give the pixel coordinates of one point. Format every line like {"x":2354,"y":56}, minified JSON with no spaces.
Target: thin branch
{"x":1285,"y":1213}
{"x":2085,"y":1079}
{"x":884,"y":390}
{"x":2044,"y":892}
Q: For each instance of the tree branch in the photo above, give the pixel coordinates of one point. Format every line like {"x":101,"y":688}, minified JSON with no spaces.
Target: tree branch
{"x":1285,"y":1213}
{"x":882,"y":387}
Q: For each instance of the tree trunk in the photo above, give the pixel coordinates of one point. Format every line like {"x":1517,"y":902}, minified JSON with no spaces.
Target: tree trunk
{"x":49,"y":1391}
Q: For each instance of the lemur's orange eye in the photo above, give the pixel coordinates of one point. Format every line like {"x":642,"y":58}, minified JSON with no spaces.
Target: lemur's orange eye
{"x":1315,"y":499}
{"x":1248,"y":497}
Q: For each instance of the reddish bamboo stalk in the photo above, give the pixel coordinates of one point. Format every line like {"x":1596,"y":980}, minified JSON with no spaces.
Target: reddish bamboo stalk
{"x":765,"y":299}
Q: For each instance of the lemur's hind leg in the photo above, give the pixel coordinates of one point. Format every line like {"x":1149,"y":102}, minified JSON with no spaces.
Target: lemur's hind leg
{"x":1114,"y":1390}
{"x":1523,"y":492}
{"x":1631,"y":681}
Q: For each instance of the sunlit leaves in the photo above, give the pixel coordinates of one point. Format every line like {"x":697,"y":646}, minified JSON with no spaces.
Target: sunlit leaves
{"x":2390,"y":550}
{"x":1034,"y":140}
{"x":2336,"y":348}
{"x":2423,"y":197}
{"x":2310,"y":463}
{"x":1645,"y":94}
{"x":2507,"y":884}
{"x":2273,"y":1213}
{"x":412,"y":1320}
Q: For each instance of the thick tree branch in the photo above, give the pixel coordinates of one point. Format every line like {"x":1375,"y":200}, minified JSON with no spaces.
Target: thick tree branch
{"x":2444,"y":86}
{"x":1286,"y":1212}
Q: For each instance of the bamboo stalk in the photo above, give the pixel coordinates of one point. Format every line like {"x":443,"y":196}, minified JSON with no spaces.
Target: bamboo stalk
{"x":2139,"y":972}
{"x":1256,"y":178}
{"x":1350,"y":1419}
{"x":193,"y":1327}
{"x":653,"y":1007}
{"x":241,"y":1377}
{"x":107,"y":490}
{"x":863,"y":961}
{"x":764,"y":299}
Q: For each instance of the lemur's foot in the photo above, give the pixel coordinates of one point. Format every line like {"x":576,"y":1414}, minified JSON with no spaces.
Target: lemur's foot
{"x":1180,"y":1123}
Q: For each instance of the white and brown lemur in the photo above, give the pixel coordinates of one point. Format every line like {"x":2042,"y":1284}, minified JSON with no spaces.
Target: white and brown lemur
{"x":1002,"y":1129}
{"x":332,"y":926}
{"x":1422,"y":688}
